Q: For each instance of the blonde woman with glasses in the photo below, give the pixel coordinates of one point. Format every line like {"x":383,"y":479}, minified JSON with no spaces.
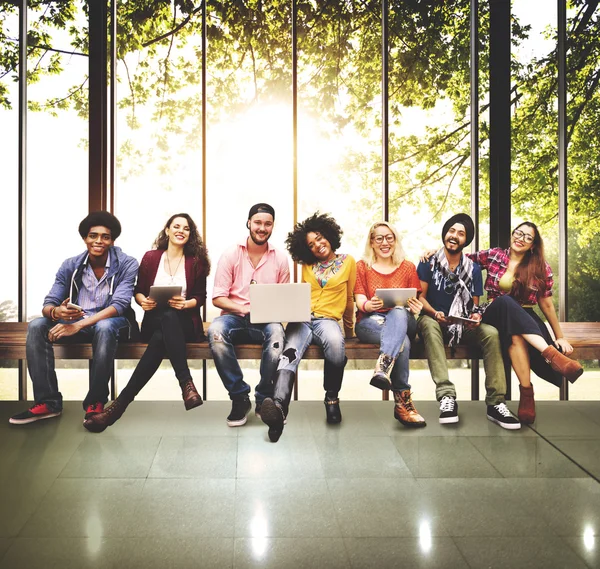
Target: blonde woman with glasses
{"x":384,"y":266}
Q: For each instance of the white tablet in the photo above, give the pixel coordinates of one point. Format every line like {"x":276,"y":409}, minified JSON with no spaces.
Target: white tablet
{"x":162,"y":294}
{"x":461,"y":320}
{"x":395,"y":296}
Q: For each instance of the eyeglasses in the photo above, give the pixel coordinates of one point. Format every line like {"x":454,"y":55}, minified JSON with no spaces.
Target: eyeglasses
{"x":450,"y":283}
{"x":390,"y":238}
{"x":524,"y":236}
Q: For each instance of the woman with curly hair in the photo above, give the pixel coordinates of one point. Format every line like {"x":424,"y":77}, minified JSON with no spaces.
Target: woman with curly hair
{"x":332,"y":276}
{"x":384,"y":266}
{"x":518,"y":278}
{"x":179,"y":258}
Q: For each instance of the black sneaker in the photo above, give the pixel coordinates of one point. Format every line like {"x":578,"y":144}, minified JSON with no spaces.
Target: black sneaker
{"x":36,"y":413}
{"x":501,"y":415}
{"x":239,"y":412}
{"x":448,"y":410}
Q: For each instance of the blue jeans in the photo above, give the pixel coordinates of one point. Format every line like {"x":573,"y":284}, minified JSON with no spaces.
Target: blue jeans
{"x":230,"y":329}
{"x":324,"y":332}
{"x":104,"y":336}
{"x":389,"y":331}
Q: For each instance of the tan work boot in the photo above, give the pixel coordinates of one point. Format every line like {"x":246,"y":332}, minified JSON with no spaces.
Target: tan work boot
{"x":571,"y":369}
{"x":404,"y":410}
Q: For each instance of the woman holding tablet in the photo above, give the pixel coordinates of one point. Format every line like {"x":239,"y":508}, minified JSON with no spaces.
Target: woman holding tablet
{"x":518,"y":278}
{"x":384,"y":266}
{"x":331,"y":275}
{"x":179,"y":259}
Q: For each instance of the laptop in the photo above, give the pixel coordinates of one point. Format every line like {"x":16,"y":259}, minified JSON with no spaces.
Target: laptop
{"x":279,"y":303}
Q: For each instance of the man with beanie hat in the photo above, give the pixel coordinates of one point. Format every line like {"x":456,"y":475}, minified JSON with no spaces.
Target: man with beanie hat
{"x":452,"y":285}
{"x":88,"y":302}
{"x":252,"y":260}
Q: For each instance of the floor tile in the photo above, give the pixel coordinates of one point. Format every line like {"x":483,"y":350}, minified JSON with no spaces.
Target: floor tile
{"x":298,"y":423}
{"x":195,"y":457}
{"x":358,"y":419}
{"x":65,"y":553}
{"x":360,"y":457}
{"x":20,"y":497}
{"x":278,"y":553}
{"x":555,"y":419}
{"x":444,"y":457}
{"x":521,"y":552}
{"x":5,"y":543}
{"x":290,"y":457}
{"x":107,"y":455}
{"x":383,"y":507}
{"x":141,"y":419}
{"x":421,"y":553}
{"x":587,"y":547}
{"x":208,"y":420}
{"x":585,"y":452}
{"x":526,"y":457}
{"x":482,"y":507}
{"x":571,"y":507}
{"x":185,"y":508}
{"x":284,"y":508}
{"x":84,"y":507}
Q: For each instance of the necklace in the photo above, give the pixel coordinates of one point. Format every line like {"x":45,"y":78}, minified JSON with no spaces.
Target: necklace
{"x":171,"y":273}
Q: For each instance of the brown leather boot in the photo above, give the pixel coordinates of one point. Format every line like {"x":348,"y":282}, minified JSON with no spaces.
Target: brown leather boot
{"x":526,"y":411}
{"x":571,"y":369}
{"x":191,"y":397}
{"x":98,"y":422}
{"x":405,"y":412}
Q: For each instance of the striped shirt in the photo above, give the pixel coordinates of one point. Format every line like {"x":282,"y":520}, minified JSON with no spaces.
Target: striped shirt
{"x":93,"y":295}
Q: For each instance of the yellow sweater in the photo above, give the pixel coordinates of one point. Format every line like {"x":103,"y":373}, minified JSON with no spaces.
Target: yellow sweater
{"x":336,"y":299}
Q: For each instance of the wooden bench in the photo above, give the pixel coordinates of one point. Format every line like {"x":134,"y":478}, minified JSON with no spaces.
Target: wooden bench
{"x":583,"y":336}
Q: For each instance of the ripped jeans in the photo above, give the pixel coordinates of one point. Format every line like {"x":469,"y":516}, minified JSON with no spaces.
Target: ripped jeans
{"x":323,"y":332}
{"x":230,"y":329}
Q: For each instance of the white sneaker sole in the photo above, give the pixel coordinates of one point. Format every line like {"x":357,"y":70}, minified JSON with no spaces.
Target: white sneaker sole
{"x":238,"y":423}
{"x":448,"y":420}
{"x":508,"y":426}
{"x":13,"y":421}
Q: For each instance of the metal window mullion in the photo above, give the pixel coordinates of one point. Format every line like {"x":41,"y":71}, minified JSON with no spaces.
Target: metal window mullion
{"x":204,"y":98}
{"x":22,"y":187}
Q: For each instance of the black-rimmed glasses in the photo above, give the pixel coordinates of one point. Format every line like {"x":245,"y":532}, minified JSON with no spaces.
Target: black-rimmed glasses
{"x":518,"y":234}
{"x":390,"y":238}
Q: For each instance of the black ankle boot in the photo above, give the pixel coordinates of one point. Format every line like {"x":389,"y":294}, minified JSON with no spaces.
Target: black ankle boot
{"x":332,"y":408}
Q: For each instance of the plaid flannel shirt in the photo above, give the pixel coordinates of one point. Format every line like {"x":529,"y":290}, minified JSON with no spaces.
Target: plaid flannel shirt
{"x":495,"y":262}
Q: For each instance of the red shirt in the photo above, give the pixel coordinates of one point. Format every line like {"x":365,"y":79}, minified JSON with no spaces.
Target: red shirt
{"x":495,"y":262}
{"x":368,"y":280}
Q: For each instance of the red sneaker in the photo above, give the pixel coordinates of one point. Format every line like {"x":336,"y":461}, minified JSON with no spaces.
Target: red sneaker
{"x":94,"y":409}
{"x":36,"y":413}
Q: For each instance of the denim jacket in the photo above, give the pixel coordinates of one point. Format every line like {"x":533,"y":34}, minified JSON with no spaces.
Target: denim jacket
{"x":121,"y":275}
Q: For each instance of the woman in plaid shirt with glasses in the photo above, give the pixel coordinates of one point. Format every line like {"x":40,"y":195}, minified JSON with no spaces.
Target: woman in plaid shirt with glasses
{"x":518,"y":278}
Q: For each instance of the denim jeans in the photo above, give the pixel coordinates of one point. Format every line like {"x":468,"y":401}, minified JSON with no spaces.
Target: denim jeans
{"x":104,"y":336}
{"x":484,"y":336}
{"x":230,"y":329}
{"x":166,"y":330}
{"x":389,"y":331}
{"x":324,"y":332}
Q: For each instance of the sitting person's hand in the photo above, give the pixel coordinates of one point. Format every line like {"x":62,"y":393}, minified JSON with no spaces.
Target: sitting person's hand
{"x":147,"y":304}
{"x":414,"y":305}
{"x":427,"y":255}
{"x":564,"y":346}
{"x":177,"y":302}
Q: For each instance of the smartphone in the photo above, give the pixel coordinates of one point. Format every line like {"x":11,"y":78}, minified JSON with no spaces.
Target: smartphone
{"x":74,"y":306}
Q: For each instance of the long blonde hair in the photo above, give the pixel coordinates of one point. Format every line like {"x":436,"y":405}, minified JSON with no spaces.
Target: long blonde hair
{"x":369,"y":256}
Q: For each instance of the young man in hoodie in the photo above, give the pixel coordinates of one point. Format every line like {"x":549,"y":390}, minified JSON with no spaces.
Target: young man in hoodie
{"x":87,"y":303}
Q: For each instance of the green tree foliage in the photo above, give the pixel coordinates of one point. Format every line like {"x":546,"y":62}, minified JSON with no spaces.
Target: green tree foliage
{"x":339,"y":77}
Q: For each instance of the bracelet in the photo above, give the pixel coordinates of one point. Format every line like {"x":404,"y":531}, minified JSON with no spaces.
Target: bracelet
{"x":436,"y":314}
{"x":54,"y":319}
{"x":363,"y":309}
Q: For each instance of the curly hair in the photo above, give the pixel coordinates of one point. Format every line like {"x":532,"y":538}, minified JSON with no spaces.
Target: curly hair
{"x":103,"y":218}
{"x":317,"y":223}
{"x":193,"y":248}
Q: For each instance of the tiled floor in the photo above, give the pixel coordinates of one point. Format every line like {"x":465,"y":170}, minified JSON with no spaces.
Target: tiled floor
{"x":168,"y":489}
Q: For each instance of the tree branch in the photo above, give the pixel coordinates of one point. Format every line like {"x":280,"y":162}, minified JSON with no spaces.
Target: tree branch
{"x":182,"y":24}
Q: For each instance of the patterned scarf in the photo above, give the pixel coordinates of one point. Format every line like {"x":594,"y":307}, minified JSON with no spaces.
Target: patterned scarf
{"x":324,"y":271}
{"x":461,"y":281}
